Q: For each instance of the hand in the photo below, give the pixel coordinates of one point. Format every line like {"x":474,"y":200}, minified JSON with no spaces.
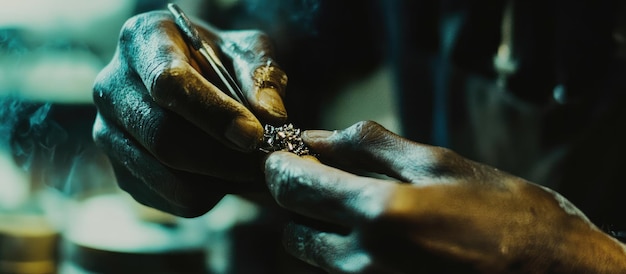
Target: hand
{"x":441,"y":213}
{"x":176,"y":141}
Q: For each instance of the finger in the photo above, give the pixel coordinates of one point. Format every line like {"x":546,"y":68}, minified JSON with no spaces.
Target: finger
{"x":330,"y":251}
{"x":171,"y":139}
{"x":262,"y":80}
{"x":165,"y":70}
{"x":187,"y":194}
{"x":369,"y":146}
{"x":144,"y":194}
{"x":310,"y":158}
{"x":322,"y":192}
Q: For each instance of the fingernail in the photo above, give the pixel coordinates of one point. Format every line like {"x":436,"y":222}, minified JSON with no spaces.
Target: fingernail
{"x":317,"y":135}
{"x":270,"y":100}
{"x":244,"y":133}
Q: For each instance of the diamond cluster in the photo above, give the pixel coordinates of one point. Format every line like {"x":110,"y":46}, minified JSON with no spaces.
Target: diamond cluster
{"x":283,"y":138}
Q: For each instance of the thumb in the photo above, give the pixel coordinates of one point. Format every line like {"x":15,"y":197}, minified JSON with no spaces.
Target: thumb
{"x":368,"y":146}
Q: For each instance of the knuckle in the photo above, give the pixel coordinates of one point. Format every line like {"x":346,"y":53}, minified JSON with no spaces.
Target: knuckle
{"x":100,"y":132}
{"x":102,"y":85}
{"x":99,"y":136}
{"x":364,"y":134}
{"x":137,"y":25}
{"x":144,"y":46}
{"x":249,"y":45}
{"x":363,"y":128}
{"x":130,"y":29}
{"x":100,"y":88}
{"x":164,"y":77}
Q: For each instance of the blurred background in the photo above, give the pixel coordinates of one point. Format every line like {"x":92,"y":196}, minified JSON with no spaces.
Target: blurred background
{"x":60,"y":208}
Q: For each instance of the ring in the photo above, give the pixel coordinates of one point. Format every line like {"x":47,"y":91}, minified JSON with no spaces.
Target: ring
{"x":270,"y":76}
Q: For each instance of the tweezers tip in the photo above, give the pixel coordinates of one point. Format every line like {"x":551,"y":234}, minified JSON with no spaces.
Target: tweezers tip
{"x":183,"y":22}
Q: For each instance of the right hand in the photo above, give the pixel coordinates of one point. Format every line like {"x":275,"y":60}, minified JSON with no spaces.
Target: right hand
{"x":436,"y":212}
{"x":176,"y":141}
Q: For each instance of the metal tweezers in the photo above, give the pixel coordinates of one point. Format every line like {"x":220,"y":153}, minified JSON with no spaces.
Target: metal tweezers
{"x":283,"y":138}
{"x":199,"y":44}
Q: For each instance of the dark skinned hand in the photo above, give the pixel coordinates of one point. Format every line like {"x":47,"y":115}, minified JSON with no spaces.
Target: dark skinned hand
{"x":437,"y":213}
{"x":177,"y":142}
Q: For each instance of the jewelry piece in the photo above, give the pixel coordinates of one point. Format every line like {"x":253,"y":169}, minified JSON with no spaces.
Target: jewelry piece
{"x":270,"y":76}
{"x":283,"y":138}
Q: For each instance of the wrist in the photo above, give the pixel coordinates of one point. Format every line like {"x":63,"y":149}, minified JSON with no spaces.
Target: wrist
{"x":586,"y":249}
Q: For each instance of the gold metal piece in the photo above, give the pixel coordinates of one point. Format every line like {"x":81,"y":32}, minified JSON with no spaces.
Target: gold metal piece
{"x":270,"y":76}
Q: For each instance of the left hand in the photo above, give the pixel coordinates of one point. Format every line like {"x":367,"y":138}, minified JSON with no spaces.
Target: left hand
{"x":442,"y":213}
{"x":176,"y":140}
